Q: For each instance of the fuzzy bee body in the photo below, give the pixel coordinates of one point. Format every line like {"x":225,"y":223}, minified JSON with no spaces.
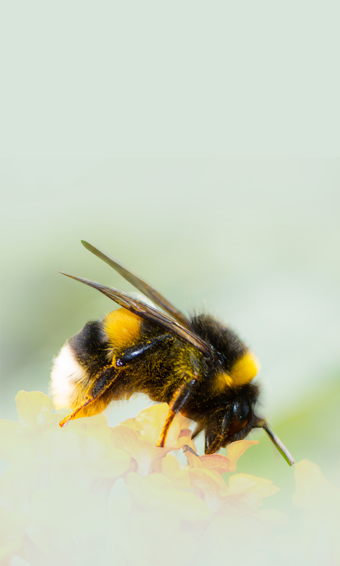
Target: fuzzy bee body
{"x":197,"y":365}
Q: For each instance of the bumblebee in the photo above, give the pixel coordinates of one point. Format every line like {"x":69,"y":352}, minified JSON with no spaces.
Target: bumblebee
{"x":197,"y":365}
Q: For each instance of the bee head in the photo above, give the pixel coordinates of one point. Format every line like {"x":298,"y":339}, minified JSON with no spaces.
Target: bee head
{"x":234,"y":421}
{"x":229,"y":423}
{"x":241,"y":421}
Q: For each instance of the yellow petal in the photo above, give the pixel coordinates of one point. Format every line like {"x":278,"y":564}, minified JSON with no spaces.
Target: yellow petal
{"x":193,"y":458}
{"x":312,"y":489}
{"x":144,"y":452}
{"x":12,"y":445}
{"x":33,"y":407}
{"x":252,"y":488}
{"x":211,"y":486}
{"x":40,"y":539}
{"x":217,"y":462}
{"x":273,"y":517}
{"x":236,"y":449}
{"x":18,"y":481}
{"x":156,"y":492}
{"x":170,"y":468}
{"x":151,"y":422}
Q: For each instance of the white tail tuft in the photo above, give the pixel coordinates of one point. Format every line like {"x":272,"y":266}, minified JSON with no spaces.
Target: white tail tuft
{"x":66,"y":373}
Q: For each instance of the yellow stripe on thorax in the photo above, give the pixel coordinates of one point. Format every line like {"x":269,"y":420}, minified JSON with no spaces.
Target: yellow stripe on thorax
{"x":122,"y":327}
{"x":242,"y":372}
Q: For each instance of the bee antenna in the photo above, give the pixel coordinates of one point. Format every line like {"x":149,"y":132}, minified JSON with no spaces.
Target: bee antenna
{"x":275,"y":440}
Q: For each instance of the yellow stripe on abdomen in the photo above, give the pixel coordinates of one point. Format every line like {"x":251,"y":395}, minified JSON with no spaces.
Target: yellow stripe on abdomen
{"x":122,"y":327}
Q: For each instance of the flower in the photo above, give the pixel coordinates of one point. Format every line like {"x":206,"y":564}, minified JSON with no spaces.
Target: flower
{"x":139,"y":436}
{"x":319,"y":501}
{"x":87,"y":494}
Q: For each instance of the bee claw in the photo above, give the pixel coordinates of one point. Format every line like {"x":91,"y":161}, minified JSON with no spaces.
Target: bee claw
{"x":187,"y":448}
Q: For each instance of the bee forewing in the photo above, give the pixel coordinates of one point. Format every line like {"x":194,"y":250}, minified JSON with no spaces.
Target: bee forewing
{"x":148,"y":312}
{"x":143,"y":287}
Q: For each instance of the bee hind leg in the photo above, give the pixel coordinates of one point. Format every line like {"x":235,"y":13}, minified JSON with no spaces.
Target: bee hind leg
{"x":95,"y":391}
{"x":72,"y":416}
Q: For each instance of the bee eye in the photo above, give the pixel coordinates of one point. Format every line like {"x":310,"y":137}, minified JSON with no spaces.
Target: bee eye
{"x":241,"y":410}
{"x":240,"y":418}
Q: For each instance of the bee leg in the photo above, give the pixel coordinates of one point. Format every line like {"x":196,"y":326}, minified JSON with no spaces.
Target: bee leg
{"x":198,"y":429}
{"x":73,"y":415}
{"x":216,"y":431}
{"x":180,"y":397}
{"x":132,"y":353}
{"x":176,"y":404}
{"x":187,"y":448}
{"x":95,"y":391}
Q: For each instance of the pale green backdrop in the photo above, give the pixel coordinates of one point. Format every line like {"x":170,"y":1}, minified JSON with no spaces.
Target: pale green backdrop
{"x":198,"y":143}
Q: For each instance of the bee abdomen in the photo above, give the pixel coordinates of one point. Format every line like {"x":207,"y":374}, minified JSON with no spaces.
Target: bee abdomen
{"x":79,"y":361}
{"x":67,"y":377}
{"x":91,"y":348}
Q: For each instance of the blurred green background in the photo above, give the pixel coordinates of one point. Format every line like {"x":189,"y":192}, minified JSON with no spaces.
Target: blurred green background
{"x":198,"y":143}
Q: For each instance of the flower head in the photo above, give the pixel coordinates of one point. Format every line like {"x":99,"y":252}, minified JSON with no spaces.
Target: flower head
{"x":89,"y":494}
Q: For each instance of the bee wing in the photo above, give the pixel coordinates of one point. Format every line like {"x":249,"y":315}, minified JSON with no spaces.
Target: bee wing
{"x":149,"y":313}
{"x":143,"y":287}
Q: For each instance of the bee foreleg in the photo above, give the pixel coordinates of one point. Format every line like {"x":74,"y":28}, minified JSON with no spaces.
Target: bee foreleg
{"x":135,"y":351}
{"x":96,"y":390}
{"x":181,"y":396}
{"x":197,"y":430}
